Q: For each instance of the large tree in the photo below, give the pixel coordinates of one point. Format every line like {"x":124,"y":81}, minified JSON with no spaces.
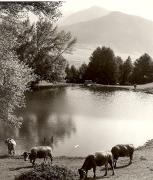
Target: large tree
{"x":119,"y":69}
{"x":127,"y":71}
{"x":41,"y":44}
{"x":15,"y":76}
{"x":72,"y":74}
{"x":24,"y":47}
{"x":42,"y":48}
{"x":143,"y":70}
{"x":18,"y":9}
{"x":82,"y":72}
{"x":102,"y":66}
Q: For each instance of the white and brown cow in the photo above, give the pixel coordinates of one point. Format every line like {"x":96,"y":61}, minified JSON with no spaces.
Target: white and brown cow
{"x":38,"y":152}
{"x":11,"y":144}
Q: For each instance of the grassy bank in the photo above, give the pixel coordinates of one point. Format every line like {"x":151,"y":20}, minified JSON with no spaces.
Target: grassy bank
{"x":140,"y":169}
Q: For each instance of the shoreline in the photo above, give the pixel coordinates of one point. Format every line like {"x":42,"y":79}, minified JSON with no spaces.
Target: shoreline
{"x":146,"y":88}
{"x":141,"y":168}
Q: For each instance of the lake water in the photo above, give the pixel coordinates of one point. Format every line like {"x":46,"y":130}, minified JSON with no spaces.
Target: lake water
{"x":83,"y":120}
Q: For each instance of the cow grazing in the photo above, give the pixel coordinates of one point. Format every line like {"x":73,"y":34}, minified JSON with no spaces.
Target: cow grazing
{"x":98,"y":159}
{"x":38,"y":152}
{"x":11,"y":144}
{"x":121,"y":150}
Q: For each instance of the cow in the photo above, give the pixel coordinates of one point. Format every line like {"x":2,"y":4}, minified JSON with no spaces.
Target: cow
{"x":122,"y":150}
{"x":11,"y":144}
{"x":97,"y":159}
{"x":38,"y":152}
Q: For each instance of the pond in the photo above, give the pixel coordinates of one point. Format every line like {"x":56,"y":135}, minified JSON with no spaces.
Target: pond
{"x":83,"y":120}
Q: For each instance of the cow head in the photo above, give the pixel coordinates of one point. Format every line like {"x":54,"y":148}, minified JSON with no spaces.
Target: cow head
{"x":7,"y":141}
{"x":82,"y":173}
{"x":25,"y":155}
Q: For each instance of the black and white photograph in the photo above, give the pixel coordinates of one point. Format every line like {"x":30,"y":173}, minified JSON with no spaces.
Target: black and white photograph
{"x":76,"y":90}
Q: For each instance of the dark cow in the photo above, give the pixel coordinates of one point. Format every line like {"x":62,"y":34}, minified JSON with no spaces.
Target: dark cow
{"x":122,"y":150}
{"x":38,"y":152}
{"x":98,"y":159}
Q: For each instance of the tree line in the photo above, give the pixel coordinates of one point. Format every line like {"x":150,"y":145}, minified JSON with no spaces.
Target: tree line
{"x":106,"y":68}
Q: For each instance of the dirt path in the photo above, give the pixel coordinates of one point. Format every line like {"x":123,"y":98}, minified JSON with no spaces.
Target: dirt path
{"x":142,"y":167}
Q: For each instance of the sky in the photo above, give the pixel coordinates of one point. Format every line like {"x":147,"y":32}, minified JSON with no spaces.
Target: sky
{"x":143,"y":8}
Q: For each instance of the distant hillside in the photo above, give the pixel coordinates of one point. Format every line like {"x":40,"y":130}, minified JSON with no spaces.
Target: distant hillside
{"x":85,"y":15}
{"x":125,"y":34}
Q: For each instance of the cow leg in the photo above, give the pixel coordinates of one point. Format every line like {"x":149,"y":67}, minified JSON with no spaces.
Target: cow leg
{"x":112,"y":166}
{"x":106,"y":169}
{"x":86,"y":174}
{"x":9,"y":152}
{"x":94,"y":171}
{"x":13,"y":152}
{"x":131,"y":157}
{"x":115,"y":162}
{"x":45,"y":159}
{"x":33,"y":162}
{"x":51,"y":158}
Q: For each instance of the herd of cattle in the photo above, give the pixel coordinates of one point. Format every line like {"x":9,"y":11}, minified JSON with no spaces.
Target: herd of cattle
{"x":91,"y":161}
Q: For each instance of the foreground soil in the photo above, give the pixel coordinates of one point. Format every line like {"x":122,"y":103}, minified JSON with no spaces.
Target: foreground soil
{"x":140,"y":169}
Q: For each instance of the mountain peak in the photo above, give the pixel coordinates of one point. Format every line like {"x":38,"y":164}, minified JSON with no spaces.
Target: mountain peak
{"x":124,"y":33}
{"x":92,"y":12}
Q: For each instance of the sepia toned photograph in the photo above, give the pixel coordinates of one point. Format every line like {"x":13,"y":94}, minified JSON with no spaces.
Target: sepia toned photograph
{"x":76,"y":90}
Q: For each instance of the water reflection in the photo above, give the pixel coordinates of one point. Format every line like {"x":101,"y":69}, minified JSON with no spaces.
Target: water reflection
{"x":43,"y":118}
{"x":36,"y":128}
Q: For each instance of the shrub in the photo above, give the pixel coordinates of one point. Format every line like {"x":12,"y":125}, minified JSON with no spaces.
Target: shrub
{"x":48,"y":172}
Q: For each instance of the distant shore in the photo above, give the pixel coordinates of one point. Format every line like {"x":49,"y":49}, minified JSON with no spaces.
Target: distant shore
{"x":147,"y":88}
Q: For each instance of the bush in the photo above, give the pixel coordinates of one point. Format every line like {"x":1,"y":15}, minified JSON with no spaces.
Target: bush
{"x":48,"y":172}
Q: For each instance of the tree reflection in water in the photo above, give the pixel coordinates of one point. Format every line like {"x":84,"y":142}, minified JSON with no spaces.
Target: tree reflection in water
{"x":57,"y":126}
{"x":44,"y":118}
